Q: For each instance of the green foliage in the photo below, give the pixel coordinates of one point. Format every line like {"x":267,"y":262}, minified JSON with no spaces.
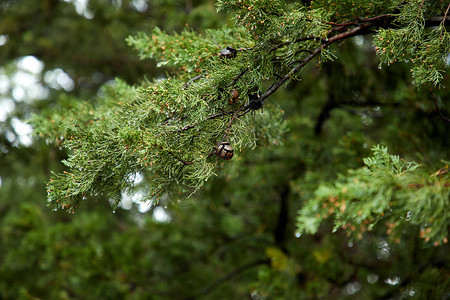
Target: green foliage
{"x":388,"y":192}
{"x":189,"y":51}
{"x":173,"y":124}
{"x":151,"y":139}
{"x":350,"y":10}
{"x":387,"y":162}
{"x":413,"y":42}
{"x":283,"y":35}
{"x":168,"y":129}
{"x":157,"y":139}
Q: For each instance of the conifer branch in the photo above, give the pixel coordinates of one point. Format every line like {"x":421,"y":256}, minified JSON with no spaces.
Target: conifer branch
{"x":227,"y":130}
{"x":318,"y":50}
{"x":192,"y":80}
{"x":362,"y":25}
{"x":360,"y":21}
{"x":237,"y":78}
{"x":303,"y":39}
{"x":211,"y":117}
{"x":174,"y":155}
{"x":169,"y":108}
{"x":445,"y":15}
{"x":221,"y":114}
{"x":362,"y":28}
{"x":244,"y":49}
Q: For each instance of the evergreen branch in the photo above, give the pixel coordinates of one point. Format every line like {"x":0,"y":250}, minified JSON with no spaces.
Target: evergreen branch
{"x":174,"y":155}
{"x":192,"y":80}
{"x":211,"y":117}
{"x":221,"y":114}
{"x":237,"y":78}
{"x":169,"y":108}
{"x":251,"y":7}
{"x":303,"y":39}
{"x":245,"y":49}
{"x":363,"y":24}
{"x":366,"y":195}
{"x":362,"y":28}
{"x":359,"y":21}
{"x":227,"y":130}
{"x":441,"y":171}
{"x":421,"y":4}
{"x":318,"y":50}
{"x":445,"y":15}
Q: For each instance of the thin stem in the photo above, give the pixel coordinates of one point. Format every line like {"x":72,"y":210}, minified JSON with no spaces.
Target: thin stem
{"x":437,"y":108}
{"x":192,"y":80}
{"x":231,"y":121}
{"x":244,"y":49}
{"x":174,"y":155}
{"x":237,"y":78}
{"x":221,"y":114}
{"x":362,"y":28}
{"x":344,"y":35}
{"x":445,"y":16}
{"x":308,"y":38}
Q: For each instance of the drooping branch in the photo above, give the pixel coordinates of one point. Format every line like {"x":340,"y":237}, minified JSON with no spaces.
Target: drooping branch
{"x":231,"y":121}
{"x":325,"y":44}
{"x":359,"y":27}
{"x":192,"y":80}
{"x":303,"y":39}
{"x":237,"y":78}
{"x":338,"y":33}
{"x":445,"y":15}
{"x":363,"y":26}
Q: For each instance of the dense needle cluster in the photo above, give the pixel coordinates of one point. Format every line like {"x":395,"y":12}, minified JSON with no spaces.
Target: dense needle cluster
{"x":165,"y":128}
